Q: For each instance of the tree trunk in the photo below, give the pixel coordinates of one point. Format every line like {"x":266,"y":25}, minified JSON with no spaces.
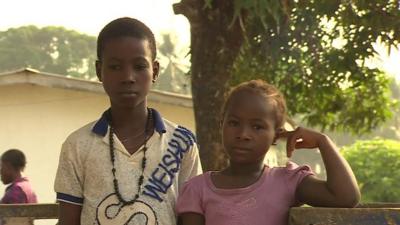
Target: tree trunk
{"x":214,"y":47}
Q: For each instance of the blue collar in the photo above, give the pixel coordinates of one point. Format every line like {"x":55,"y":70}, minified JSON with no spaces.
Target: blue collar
{"x":101,"y":126}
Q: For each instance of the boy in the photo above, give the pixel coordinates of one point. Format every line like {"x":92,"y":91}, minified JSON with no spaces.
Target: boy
{"x":127,"y":167}
{"x":19,"y":191}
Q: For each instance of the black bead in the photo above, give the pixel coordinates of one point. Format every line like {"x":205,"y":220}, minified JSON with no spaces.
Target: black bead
{"x":144,"y":160}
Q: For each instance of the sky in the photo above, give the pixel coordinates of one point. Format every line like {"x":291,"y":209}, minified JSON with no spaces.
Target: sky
{"x":89,"y":16}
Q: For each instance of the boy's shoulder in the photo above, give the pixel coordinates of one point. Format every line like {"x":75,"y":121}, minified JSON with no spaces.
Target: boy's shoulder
{"x":99,"y":128}
{"x":171,"y":128}
{"x":83,"y":132}
{"x":169,"y":125}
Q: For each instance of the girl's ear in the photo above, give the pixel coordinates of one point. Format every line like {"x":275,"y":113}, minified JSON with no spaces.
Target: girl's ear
{"x":278,"y":131}
{"x":221,"y":124}
{"x":274,"y":141}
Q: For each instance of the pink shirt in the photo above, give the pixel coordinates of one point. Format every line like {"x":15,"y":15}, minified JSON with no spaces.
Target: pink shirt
{"x":266,"y":202}
{"x":20,"y":191}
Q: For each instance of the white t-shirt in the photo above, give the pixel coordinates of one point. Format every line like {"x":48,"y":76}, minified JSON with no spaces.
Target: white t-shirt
{"x":84,"y":175}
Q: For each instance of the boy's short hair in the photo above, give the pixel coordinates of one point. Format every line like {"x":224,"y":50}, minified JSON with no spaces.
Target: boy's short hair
{"x":15,"y":157}
{"x":126,"y":27}
{"x":263,"y":88}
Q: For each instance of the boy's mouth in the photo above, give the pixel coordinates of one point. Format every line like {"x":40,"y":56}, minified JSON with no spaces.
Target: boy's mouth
{"x":128,"y":92}
{"x":241,"y":149}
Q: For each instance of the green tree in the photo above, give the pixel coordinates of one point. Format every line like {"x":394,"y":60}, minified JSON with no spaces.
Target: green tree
{"x":314,"y":51}
{"x":49,"y":49}
{"x":173,"y":74}
{"x":375,"y":164}
{"x":390,"y":129}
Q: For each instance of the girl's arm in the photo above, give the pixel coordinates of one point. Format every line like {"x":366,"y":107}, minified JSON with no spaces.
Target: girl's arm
{"x":191,"y":219}
{"x":340,"y":189}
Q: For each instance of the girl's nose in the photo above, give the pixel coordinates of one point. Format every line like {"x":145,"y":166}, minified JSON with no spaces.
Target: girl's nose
{"x":244,"y":133}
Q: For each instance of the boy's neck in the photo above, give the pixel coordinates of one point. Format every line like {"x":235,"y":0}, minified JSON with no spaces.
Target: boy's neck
{"x":16,"y":177}
{"x":129,"y":118}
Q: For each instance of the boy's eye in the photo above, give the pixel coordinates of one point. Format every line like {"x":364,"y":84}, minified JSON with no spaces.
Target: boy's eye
{"x":140,"y":67}
{"x":115,"y":67}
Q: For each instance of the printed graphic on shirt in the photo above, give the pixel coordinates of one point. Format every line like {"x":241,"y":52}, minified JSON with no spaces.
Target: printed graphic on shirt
{"x":111,"y":211}
{"x":163,"y":176}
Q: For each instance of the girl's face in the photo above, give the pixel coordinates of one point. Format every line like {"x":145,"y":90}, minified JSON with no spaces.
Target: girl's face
{"x":248,"y":127}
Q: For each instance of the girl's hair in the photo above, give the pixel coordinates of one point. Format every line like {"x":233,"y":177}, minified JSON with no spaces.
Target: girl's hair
{"x":125,"y":27}
{"x":15,"y":157}
{"x":260,"y":87}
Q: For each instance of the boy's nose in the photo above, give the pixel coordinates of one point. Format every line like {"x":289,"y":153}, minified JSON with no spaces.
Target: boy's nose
{"x":129,"y":75}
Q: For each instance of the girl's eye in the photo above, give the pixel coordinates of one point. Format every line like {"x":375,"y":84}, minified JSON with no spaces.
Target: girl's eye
{"x":258,"y":127}
{"x":233,"y":123}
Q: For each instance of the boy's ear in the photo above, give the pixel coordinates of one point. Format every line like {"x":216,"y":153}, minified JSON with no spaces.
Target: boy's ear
{"x":7,"y":167}
{"x":156,"y":70}
{"x":98,"y":69}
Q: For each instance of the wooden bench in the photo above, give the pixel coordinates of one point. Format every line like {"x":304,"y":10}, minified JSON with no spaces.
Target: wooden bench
{"x":368,"y":214}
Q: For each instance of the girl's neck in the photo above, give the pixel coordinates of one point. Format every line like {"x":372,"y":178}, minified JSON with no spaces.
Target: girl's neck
{"x":237,"y":176}
{"x":250,"y":169}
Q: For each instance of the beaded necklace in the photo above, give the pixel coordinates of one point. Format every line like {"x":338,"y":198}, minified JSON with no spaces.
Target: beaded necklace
{"x":112,"y":155}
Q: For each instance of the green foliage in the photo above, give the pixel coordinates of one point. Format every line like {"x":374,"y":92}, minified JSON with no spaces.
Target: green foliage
{"x":266,"y":11}
{"x":172,"y":77}
{"x":376,"y":165}
{"x":317,"y":56}
{"x":49,"y":49}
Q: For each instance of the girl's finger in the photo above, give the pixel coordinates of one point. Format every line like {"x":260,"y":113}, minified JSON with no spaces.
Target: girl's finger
{"x":300,"y":143}
{"x":291,"y":143}
{"x":283,"y":134}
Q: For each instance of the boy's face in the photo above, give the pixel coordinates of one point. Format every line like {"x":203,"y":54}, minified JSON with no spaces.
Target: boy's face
{"x":248,"y":128}
{"x":127,"y":70}
{"x":6,"y":171}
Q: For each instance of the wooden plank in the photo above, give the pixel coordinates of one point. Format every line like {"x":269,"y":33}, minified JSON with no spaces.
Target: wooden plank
{"x":380,"y":214}
{"x":344,"y":216}
{"x":379,"y":205}
{"x":37,"y":211}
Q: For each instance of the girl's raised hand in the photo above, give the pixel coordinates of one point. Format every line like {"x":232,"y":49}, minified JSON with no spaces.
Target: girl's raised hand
{"x":300,"y":138}
{"x":340,"y":189}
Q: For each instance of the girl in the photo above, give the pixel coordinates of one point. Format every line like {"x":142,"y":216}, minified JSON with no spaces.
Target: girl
{"x":249,"y":192}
